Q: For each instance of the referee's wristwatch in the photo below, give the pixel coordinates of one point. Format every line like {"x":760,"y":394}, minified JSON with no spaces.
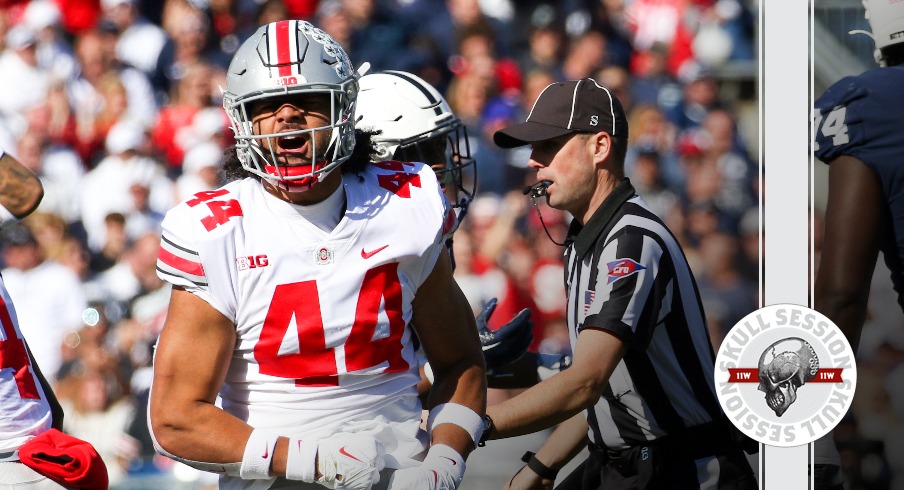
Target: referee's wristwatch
{"x":487,"y":428}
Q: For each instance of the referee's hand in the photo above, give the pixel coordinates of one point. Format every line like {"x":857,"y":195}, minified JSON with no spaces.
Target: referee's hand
{"x":526,"y":479}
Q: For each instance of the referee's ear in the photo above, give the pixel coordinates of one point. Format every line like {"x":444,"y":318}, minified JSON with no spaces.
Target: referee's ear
{"x":600,"y":146}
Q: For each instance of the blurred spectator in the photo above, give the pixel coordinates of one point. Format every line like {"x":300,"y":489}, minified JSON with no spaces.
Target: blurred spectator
{"x":23,"y":84}
{"x":374,"y":36}
{"x":49,"y":296}
{"x":107,"y":188}
{"x":653,"y":84}
{"x":646,"y":176}
{"x":97,"y":93}
{"x":727,"y":295}
{"x":59,"y":168}
{"x":443,"y":28}
{"x":661,"y":21}
{"x":187,"y":45}
{"x":191,"y":94}
{"x":139,"y":42}
{"x":651,"y":131}
{"x":586,"y":54}
{"x":98,"y":411}
{"x":701,"y":95}
{"x":135,"y":272}
{"x":54,"y":53}
{"x":200,"y":170}
{"x":546,"y":41}
{"x":618,"y":81}
{"x":115,"y":243}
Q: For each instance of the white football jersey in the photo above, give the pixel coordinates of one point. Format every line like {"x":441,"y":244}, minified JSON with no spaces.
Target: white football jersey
{"x":23,"y":404}
{"x":321,"y":318}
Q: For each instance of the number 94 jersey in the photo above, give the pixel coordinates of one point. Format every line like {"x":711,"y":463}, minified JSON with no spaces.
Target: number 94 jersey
{"x":860,"y":116}
{"x":320,"y":317}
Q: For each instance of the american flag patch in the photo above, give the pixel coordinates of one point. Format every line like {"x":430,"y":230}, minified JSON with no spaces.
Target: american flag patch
{"x":589,"y":296}
{"x":622,"y":268}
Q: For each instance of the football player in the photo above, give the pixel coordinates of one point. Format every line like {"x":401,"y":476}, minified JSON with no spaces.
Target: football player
{"x":412,"y":122}
{"x":32,"y":416}
{"x":293,"y":287}
{"x":857,"y":133}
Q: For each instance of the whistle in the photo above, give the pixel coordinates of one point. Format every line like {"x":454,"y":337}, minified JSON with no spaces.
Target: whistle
{"x":538,"y":189}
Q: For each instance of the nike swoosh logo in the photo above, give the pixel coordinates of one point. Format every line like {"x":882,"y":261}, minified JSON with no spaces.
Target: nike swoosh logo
{"x":367,"y":255}
{"x":346,"y":453}
{"x":450,"y":459}
{"x":266,"y":452}
{"x":435,"y":478}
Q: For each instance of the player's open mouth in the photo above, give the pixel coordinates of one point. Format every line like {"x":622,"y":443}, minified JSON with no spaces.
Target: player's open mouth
{"x":291,"y":144}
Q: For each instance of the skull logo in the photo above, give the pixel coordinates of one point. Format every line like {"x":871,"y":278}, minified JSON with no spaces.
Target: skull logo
{"x":784,"y":367}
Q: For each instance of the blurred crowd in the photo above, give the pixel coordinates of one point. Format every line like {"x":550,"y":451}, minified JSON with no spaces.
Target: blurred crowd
{"x":116,"y":106}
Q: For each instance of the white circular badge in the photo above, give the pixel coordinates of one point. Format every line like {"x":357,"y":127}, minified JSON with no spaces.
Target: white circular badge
{"x":785,"y":375}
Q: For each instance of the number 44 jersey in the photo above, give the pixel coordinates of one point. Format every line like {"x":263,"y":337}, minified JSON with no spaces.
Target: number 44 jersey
{"x":320,"y":317}
{"x":860,"y":116}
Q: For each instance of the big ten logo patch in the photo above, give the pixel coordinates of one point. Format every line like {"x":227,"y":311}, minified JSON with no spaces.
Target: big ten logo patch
{"x":785,"y":375}
{"x":251,"y":262}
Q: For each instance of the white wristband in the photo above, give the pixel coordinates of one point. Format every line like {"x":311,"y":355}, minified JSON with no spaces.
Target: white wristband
{"x":301,"y":462}
{"x":6,"y":217}
{"x":460,"y":415}
{"x":258,"y":454}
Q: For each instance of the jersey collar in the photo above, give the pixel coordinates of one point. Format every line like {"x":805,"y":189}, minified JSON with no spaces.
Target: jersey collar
{"x":583,"y":237}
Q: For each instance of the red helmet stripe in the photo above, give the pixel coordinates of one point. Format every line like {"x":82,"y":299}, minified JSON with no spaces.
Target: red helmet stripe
{"x":282,"y":36}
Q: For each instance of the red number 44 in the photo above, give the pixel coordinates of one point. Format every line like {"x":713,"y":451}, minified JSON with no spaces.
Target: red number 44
{"x":221,"y":211}
{"x":315,"y":363}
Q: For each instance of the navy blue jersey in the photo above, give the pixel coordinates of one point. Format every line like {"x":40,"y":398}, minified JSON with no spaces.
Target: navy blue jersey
{"x":862,"y":117}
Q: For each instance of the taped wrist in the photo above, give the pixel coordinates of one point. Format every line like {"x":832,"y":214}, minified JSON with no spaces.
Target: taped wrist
{"x":258,"y":454}
{"x":301,"y":461}
{"x":447,"y":461}
{"x":539,"y":468}
{"x":456,"y":414}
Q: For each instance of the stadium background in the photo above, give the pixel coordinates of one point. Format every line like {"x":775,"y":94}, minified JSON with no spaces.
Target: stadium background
{"x":87,"y":84}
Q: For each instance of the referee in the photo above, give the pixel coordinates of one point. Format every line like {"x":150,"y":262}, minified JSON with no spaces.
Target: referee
{"x":642,"y":370}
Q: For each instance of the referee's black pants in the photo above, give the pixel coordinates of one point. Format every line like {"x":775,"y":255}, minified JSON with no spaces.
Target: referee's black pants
{"x":673,"y":463}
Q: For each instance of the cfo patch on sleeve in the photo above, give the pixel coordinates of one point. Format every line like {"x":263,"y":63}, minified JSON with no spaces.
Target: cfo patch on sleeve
{"x":785,"y":375}
{"x":622,"y":268}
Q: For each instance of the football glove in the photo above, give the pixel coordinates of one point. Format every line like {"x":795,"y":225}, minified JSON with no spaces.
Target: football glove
{"x":507,"y":344}
{"x":350,"y":461}
{"x":550,"y":364}
{"x":442,"y":469}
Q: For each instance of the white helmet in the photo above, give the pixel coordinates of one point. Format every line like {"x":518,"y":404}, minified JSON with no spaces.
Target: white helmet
{"x":412,"y":116}
{"x":886,"y":20}
{"x":286,"y":58}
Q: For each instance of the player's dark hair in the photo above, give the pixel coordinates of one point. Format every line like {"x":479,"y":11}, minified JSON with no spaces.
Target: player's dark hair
{"x":893,"y":54}
{"x":361,"y":156}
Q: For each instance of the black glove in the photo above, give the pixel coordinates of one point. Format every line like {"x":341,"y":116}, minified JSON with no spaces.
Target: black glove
{"x":509,"y":343}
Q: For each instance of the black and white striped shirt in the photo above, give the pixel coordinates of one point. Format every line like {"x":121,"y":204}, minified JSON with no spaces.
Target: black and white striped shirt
{"x":627,"y":274}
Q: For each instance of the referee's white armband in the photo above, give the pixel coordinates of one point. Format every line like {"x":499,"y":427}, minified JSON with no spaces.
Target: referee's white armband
{"x":456,"y":414}
{"x":258,"y":454}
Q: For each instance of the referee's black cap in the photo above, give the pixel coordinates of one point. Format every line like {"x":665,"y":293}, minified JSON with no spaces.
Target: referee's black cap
{"x":567,"y":107}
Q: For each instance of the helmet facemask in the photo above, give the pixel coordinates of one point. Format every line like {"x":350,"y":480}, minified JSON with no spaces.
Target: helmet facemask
{"x":448,"y":151}
{"x":283,"y":61}
{"x":259,"y":152}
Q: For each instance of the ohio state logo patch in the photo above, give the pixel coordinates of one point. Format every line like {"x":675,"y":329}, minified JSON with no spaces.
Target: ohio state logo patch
{"x":622,"y":268}
{"x":785,"y":375}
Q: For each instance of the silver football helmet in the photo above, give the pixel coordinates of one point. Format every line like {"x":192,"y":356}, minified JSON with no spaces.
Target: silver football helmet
{"x":417,"y":124}
{"x":886,"y":20}
{"x":281,"y":60}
